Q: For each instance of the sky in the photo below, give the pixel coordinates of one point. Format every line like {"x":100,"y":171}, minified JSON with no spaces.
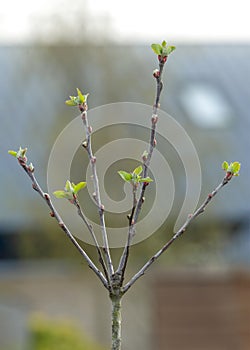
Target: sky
{"x":133,"y":21}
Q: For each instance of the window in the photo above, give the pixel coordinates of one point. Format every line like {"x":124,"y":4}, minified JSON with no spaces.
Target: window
{"x":206,"y":106}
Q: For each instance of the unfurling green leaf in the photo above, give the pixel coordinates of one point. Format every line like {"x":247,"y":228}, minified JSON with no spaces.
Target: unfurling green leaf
{"x":125,"y":176}
{"x":70,"y":103}
{"x":157,"y":48}
{"x":232,"y":168}
{"x":82,"y":98}
{"x":134,"y":177}
{"x":21,"y":153}
{"x":13,"y":153}
{"x":77,"y":100}
{"x":145,"y":179}
{"x":61,"y":194}
{"x":137,"y":170}
{"x":170,"y":49}
{"x":80,"y":95}
{"x":70,"y":190}
{"x":69,"y":187}
{"x":163,"y":49}
{"x":79,"y":186}
{"x":225,"y":165}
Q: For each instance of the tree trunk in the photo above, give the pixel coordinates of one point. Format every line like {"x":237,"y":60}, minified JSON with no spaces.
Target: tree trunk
{"x":116,"y":322}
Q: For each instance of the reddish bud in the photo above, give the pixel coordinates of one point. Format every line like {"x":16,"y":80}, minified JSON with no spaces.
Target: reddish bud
{"x":156,"y":73}
{"x":154,"y":119}
{"x":34,"y":187}
{"x":229,"y":175}
{"x":93,"y":160}
{"x":90,"y":129}
{"x":22,"y":160}
{"x":46,"y":196}
{"x":162,"y":59}
{"x":157,"y":105}
{"x":81,"y":108}
{"x":52,"y":214}
{"x":155,"y":143}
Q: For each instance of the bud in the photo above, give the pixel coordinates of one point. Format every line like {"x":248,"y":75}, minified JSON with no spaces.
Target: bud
{"x":83,"y":115}
{"x":31,"y":168}
{"x":145,"y":156}
{"x":93,"y":160}
{"x":229,"y":175}
{"x":162,"y":59}
{"x":22,"y":160}
{"x":156,"y":73}
{"x":90,"y":129}
{"x":81,"y":109}
{"x":154,"y":119}
{"x":34,"y":187}
{"x":85,"y":144}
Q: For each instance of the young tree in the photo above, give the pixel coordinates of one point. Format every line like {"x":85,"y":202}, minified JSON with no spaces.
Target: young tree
{"x":110,"y":276}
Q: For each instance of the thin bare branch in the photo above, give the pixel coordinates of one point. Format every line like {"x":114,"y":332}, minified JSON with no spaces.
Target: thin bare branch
{"x":55,"y":214}
{"x":92,"y":233}
{"x":184,"y":227}
{"x":97,"y":197}
{"x":152,"y":143}
{"x":124,"y":258}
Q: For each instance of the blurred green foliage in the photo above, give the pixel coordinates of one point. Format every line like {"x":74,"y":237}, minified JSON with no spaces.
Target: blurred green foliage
{"x":54,"y":335}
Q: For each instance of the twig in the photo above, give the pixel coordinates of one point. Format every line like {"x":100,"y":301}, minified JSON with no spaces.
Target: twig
{"x":87,"y":145}
{"x":190,"y":218}
{"x":152,"y":143}
{"x":55,"y":214}
{"x":124,"y":258}
{"x":92,"y":233}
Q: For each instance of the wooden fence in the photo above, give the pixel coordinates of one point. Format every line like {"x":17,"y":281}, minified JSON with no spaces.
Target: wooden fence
{"x":202,"y":311}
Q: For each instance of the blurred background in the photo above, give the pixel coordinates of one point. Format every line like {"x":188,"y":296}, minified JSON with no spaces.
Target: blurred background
{"x":197,"y":295}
